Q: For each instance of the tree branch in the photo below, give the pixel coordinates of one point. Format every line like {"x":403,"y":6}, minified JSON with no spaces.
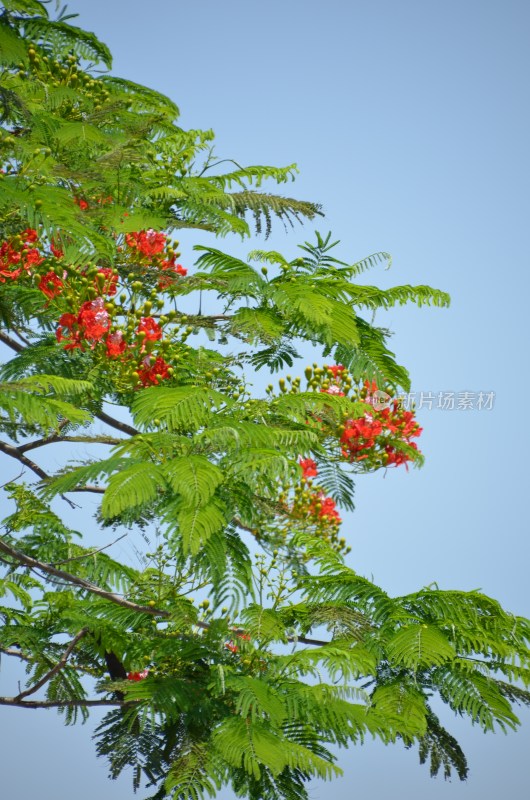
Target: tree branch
{"x":116,"y":423}
{"x":57,"y":668}
{"x":14,"y":452}
{"x":57,"y":438}
{"x":21,"y":337}
{"x":13,"y":701}
{"x":22,"y":558}
{"x":10,"y":651}
{"x":116,"y":598}
{"x":18,"y":348}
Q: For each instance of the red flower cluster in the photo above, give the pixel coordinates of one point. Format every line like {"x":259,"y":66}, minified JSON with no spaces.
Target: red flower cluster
{"x":154,"y":245}
{"x":92,"y":323}
{"x":378,"y":435}
{"x":230,"y":645}
{"x":115,"y":344}
{"x":316,"y":504}
{"x":168,"y":266}
{"x":148,"y":243}
{"x":93,"y":317}
{"x":57,"y":252}
{"x":324,"y":508}
{"x":17,"y":254}
{"x":137,"y":676}
{"x":150,"y":328}
{"x":151,"y":374}
{"x":51,"y":285}
{"x":309,"y":468}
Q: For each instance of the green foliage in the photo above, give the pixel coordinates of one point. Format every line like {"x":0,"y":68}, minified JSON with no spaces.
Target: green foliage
{"x":240,"y":648}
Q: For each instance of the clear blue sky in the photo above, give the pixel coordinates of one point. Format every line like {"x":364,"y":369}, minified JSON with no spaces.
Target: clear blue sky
{"x":409,"y":121}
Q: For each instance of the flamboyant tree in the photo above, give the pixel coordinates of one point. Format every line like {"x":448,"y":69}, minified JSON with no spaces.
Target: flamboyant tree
{"x":285,"y":652}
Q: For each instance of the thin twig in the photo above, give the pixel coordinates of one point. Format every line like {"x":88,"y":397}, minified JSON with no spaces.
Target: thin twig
{"x":20,"y":474}
{"x":33,"y":563}
{"x":89,"y":488}
{"x":21,"y":337}
{"x":90,"y":553}
{"x":57,"y":668}
{"x":10,"y":651}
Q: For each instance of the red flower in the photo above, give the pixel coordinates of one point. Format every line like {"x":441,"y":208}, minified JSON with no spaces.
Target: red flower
{"x":231,"y":646}
{"x":69,"y":321}
{"x":56,"y":251}
{"x":51,"y":285}
{"x":94,"y":318}
{"x":30,"y":235}
{"x":83,"y":205}
{"x":148,"y":243}
{"x":151,"y":328}
{"x":169,"y":264}
{"x":170,"y":269}
{"x":32,"y":258}
{"x":138,"y":676}
{"x":336,"y":369}
{"x":115,"y":344}
{"x":150,"y":374}
{"x":328,"y":510}
{"x":309,"y":468}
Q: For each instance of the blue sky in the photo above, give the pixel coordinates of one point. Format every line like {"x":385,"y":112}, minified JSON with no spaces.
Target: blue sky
{"x":409,"y":123}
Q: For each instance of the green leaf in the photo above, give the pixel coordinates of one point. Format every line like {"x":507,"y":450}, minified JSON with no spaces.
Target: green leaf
{"x":420,"y":645}
{"x":194,"y":477}
{"x":402,"y":706}
{"x":180,"y":408}
{"x":132,"y":487}
{"x":195,"y":524}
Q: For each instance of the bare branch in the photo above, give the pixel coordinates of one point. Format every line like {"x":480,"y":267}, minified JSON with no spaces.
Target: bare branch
{"x":110,"y":440}
{"x":116,"y":423}
{"x":10,"y":651}
{"x":57,"y":668}
{"x":18,"y":348}
{"x":14,"y":452}
{"x":13,"y":701}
